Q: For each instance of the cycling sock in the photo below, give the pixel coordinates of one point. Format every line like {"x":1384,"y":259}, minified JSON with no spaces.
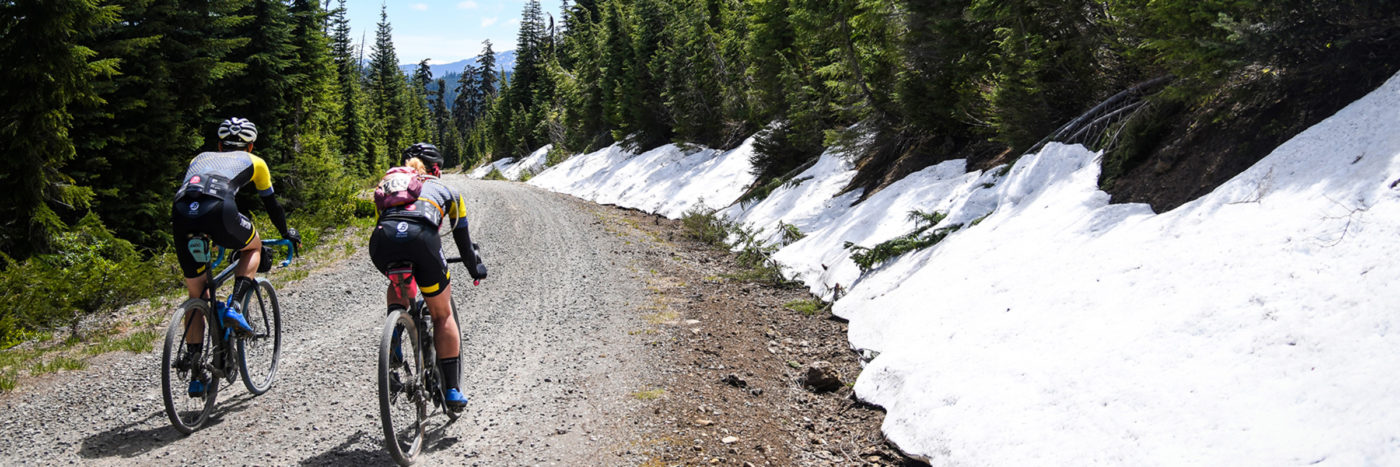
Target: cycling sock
{"x":241,"y":286}
{"x":448,"y":367}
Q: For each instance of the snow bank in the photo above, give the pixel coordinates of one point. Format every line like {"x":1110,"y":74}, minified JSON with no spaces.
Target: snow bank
{"x":1249,"y":327}
{"x":668,"y":180}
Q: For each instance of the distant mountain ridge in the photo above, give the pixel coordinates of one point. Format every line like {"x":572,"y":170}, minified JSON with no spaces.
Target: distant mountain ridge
{"x":505,"y":59}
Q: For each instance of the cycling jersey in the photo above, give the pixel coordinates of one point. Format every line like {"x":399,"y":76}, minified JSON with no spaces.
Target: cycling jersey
{"x":222,"y":174}
{"x":204,"y":203}
{"x":408,"y":233}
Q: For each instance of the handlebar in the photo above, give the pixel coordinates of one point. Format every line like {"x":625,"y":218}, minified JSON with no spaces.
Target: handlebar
{"x":291,"y":250}
{"x":458,"y":259}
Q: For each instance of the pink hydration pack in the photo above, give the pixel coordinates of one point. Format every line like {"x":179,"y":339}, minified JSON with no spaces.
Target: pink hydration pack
{"x":400,"y":186}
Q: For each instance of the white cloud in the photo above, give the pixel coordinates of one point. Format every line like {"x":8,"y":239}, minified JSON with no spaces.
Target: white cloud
{"x":420,"y":6}
{"x":485,"y":22}
{"x":467,"y":5}
{"x":514,"y":22}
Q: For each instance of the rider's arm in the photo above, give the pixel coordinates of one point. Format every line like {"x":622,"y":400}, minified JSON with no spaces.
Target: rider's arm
{"x":262,"y":180}
{"x":462,"y":236}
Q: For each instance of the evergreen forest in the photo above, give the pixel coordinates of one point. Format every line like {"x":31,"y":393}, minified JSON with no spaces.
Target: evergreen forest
{"x":105,"y":101}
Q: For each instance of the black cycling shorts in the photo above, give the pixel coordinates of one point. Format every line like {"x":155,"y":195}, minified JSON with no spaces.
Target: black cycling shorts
{"x":215,"y":217}
{"x":406,"y":241}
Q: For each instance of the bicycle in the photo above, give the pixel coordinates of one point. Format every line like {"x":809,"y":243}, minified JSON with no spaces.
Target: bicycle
{"x":216,"y":360}
{"x":407,"y":385}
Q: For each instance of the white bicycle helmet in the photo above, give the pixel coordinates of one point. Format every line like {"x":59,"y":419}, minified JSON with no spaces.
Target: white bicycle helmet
{"x":238,"y":132}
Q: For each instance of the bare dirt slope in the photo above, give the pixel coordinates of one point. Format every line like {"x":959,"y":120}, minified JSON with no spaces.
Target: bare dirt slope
{"x":600,"y":338}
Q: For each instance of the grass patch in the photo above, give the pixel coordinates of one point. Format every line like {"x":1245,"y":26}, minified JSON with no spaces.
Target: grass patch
{"x":526,"y":175}
{"x":649,"y":394}
{"x":61,"y":362}
{"x":8,"y":380}
{"x":662,"y":317}
{"x":807,"y":307}
{"x":645,"y":332}
{"x":495,"y":174}
{"x":923,"y":236}
{"x":136,"y":342}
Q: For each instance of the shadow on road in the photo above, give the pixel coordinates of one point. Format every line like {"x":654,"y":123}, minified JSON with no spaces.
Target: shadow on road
{"x":346,"y":454}
{"x":127,"y":441}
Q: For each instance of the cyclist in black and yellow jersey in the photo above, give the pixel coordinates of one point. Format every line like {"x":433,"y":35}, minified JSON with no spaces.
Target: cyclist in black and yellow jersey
{"x":408,"y":232}
{"x":205,"y":204}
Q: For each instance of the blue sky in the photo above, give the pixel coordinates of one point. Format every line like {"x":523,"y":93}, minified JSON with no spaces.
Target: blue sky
{"x":442,"y":30}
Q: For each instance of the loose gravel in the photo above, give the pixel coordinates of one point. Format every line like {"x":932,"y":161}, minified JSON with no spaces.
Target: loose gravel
{"x":552,"y":371}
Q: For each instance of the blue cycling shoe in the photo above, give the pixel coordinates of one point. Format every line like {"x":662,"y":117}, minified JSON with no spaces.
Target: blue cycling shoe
{"x":455,"y":400}
{"x":196,"y":388}
{"x":234,"y":320}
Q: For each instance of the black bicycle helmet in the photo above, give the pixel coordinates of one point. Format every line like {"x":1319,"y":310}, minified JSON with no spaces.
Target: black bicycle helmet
{"x":238,"y":132}
{"x":424,"y":151}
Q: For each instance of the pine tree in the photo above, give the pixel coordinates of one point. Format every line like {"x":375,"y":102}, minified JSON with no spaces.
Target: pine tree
{"x":490,"y":82}
{"x":157,"y":111}
{"x":263,"y":92}
{"x":351,"y":126}
{"x":387,"y":91}
{"x":47,"y":72}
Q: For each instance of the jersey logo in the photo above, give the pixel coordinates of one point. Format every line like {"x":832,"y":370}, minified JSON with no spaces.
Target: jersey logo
{"x":194,"y":179}
{"x":403,"y":230}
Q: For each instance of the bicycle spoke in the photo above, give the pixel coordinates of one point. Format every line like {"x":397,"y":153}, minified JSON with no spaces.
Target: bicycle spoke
{"x":188,"y":390}
{"x":259,"y":353}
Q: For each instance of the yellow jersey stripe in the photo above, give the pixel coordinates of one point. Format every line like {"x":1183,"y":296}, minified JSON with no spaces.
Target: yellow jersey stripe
{"x":262,"y":177}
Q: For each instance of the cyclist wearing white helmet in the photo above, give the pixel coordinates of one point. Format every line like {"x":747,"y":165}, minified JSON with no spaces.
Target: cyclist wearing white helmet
{"x":205,"y":205}
{"x":407,"y":231}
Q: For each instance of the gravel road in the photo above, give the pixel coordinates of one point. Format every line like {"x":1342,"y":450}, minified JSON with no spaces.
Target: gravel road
{"x":549,"y":363}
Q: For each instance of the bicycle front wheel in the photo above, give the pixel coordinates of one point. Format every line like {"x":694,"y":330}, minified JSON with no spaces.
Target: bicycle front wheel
{"x":183,"y":372}
{"x":403,"y":400}
{"x":258,"y":354}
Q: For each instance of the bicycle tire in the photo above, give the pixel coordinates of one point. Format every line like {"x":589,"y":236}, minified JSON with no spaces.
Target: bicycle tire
{"x":261,"y":310}
{"x":402,"y":409}
{"x":187,"y":413}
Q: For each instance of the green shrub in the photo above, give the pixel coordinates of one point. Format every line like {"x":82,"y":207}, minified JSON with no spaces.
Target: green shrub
{"x":91,"y":272}
{"x":526,"y":175}
{"x":757,"y":258}
{"x":556,"y":155}
{"x":923,"y":236}
{"x":495,"y":174}
{"x":703,"y":224}
{"x":790,"y":232}
{"x":364,"y":208}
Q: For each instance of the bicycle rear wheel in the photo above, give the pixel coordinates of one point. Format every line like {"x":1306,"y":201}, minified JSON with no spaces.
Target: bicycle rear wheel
{"x":258,"y":355}
{"x":403,"y":400}
{"x":187,"y":413}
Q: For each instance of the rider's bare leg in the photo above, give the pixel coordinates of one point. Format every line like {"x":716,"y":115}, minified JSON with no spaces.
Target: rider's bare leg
{"x":195,"y":285}
{"x":446,"y":338}
{"x":252,"y":254}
